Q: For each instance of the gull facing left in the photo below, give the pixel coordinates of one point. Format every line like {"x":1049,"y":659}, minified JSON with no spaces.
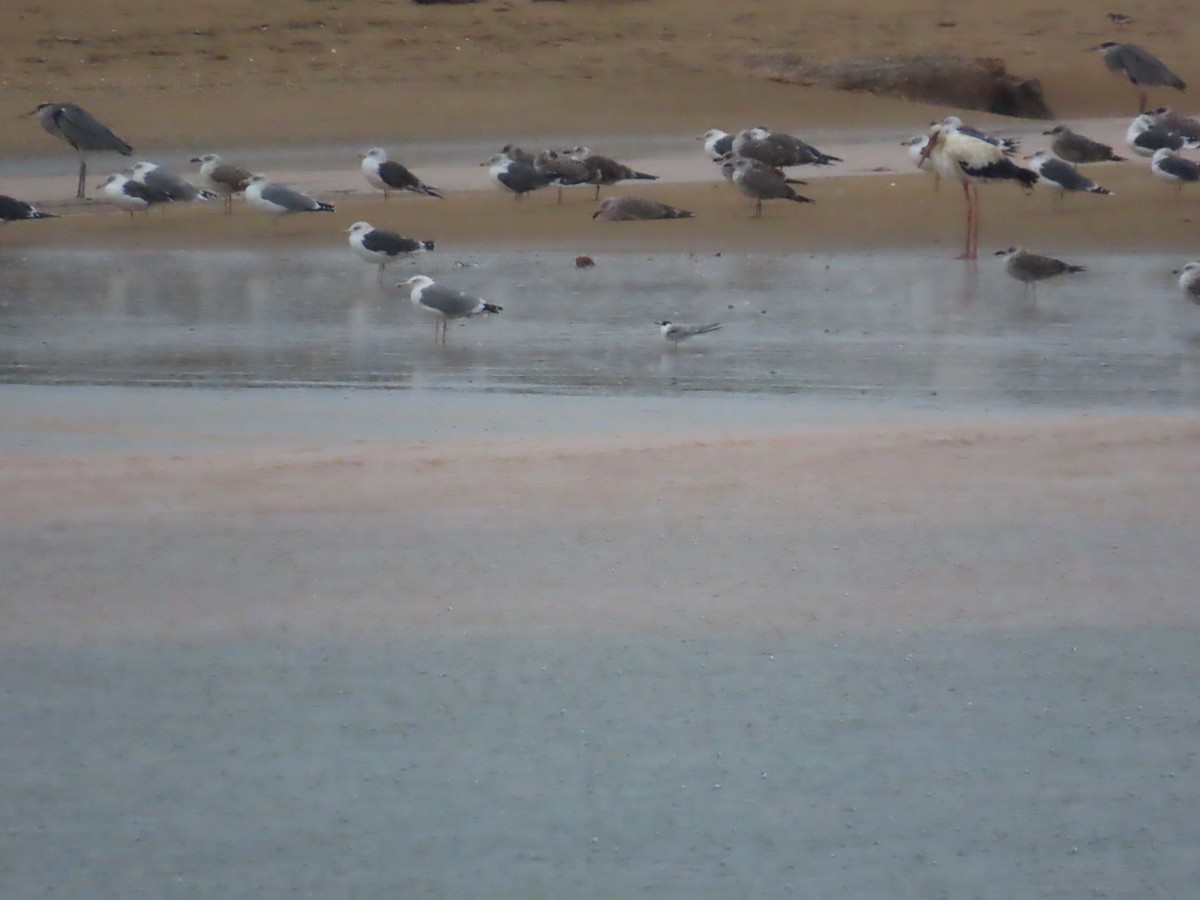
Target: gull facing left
{"x":445,"y":303}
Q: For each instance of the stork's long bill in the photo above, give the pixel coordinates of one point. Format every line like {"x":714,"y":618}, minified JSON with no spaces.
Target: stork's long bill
{"x":934,"y":136}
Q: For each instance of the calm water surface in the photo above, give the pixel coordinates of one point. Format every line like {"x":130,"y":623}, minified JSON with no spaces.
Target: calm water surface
{"x":897,"y":327}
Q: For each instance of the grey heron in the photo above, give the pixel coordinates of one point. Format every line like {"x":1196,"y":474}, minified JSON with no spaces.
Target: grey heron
{"x":83,"y":131}
{"x":1141,"y":67}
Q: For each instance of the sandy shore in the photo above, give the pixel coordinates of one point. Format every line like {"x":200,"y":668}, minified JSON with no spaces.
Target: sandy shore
{"x":592,"y":647}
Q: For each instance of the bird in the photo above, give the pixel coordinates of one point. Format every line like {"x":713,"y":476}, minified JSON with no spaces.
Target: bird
{"x":132,"y":196}
{"x":627,"y":209}
{"x":1177,"y":122}
{"x":1141,"y":67}
{"x":761,"y":184}
{"x":382,"y":247}
{"x":1145,"y":136}
{"x":726,"y":162}
{"x":1007,"y":144}
{"x":517,"y":154}
{"x":675,"y":333}
{"x":177,"y":188}
{"x":1063,"y":176}
{"x":1077,"y":148}
{"x":445,"y":303}
{"x":13,"y":210}
{"x":1118,"y":18}
{"x":1189,"y":281}
{"x":388,"y":175}
{"x":516,"y":176}
{"x":971,"y":162}
{"x":607,"y":171}
{"x":563,"y":169}
{"x":1030,"y":268}
{"x":280,"y":200}
{"x":223,"y":179}
{"x":1174,"y":169}
{"x":83,"y":131}
{"x":778,"y":150}
{"x":716,"y":141}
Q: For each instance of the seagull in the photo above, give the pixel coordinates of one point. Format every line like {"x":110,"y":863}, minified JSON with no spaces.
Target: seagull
{"x":762,"y":184}
{"x":1174,"y":169}
{"x":674,"y":333}
{"x":1030,"y":268}
{"x":608,"y":171}
{"x":1063,"y":176}
{"x":1184,"y":125}
{"x":971,"y":162}
{"x":726,"y":162}
{"x":627,"y":209}
{"x":1007,"y":144}
{"x":716,"y":141}
{"x":13,"y":210}
{"x":221,"y":178}
{"x":517,"y":154}
{"x":1189,"y":281}
{"x":388,"y":175}
{"x":563,"y":169}
{"x":132,"y":196}
{"x":445,"y":303}
{"x":1141,"y":67}
{"x":1145,"y":137}
{"x":1076,"y":148}
{"x":778,"y":150}
{"x":83,"y":131}
{"x":382,"y":247}
{"x":280,"y":200}
{"x":518,"y":177}
{"x":166,"y":181}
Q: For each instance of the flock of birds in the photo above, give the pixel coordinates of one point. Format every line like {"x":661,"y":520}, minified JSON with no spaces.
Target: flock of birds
{"x":754,"y":160}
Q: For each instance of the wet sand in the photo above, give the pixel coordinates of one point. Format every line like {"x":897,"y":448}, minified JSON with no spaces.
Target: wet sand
{"x":460,"y":644}
{"x":490,"y":646}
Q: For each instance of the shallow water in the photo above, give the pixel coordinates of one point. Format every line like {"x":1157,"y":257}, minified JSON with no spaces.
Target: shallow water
{"x":896,"y":327}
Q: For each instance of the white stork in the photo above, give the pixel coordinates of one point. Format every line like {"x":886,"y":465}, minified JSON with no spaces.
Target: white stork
{"x":971,"y":161}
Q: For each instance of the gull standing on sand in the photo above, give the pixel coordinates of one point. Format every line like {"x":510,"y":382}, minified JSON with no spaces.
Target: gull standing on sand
{"x":761,"y":184}
{"x":1140,"y":66}
{"x":1189,"y":281}
{"x":131,"y":196}
{"x":518,"y":177}
{"x":83,"y":131}
{"x":177,"y":188}
{"x":280,"y":200}
{"x":972,"y":162}
{"x":1077,"y":148}
{"x":222,"y":179}
{"x":1174,"y":169}
{"x":717,"y":142}
{"x":607,"y":171}
{"x":1030,"y":268}
{"x":1062,"y":176}
{"x":1146,"y":137}
{"x":675,"y":333}
{"x":13,"y":210}
{"x":1185,"y":125}
{"x":445,"y":303}
{"x":563,"y":169}
{"x":628,"y":209}
{"x":388,"y":175}
{"x":382,"y":247}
